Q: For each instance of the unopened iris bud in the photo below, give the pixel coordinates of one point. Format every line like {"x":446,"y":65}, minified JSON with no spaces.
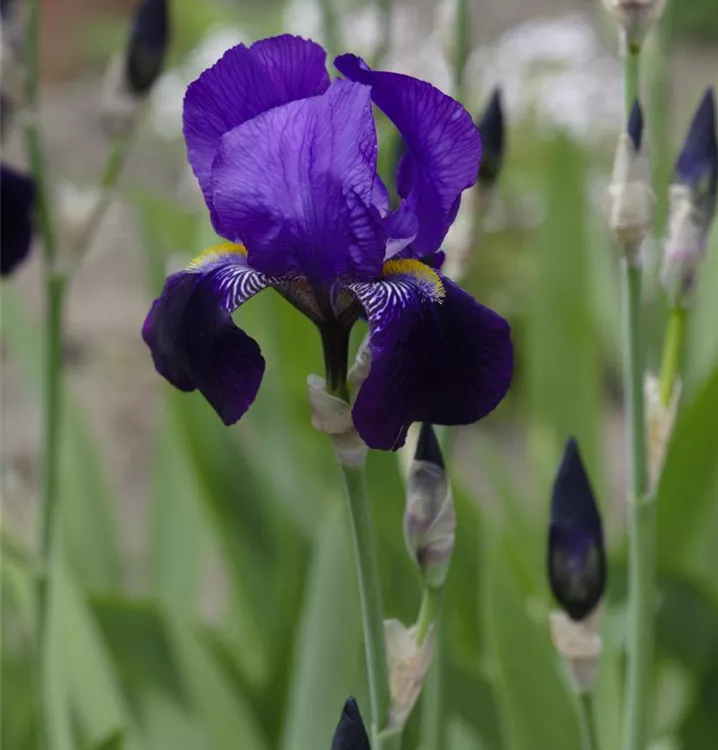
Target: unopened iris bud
{"x":631,"y":198}
{"x":491,"y":127}
{"x":635,"y":19}
{"x":576,"y":555}
{"x":17,"y":202}
{"x":147,"y":45}
{"x":692,"y":205}
{"x":131,"y":76}
{"x":333,"y":416}
{"x":429,"y":516}
{"x":350,"y":733}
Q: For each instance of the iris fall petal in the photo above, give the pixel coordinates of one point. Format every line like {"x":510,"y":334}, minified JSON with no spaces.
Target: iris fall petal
{"x":195,"y":344}
{"x":437,"y":355}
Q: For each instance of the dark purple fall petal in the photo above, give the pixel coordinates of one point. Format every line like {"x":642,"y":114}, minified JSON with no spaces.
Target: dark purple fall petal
{"x":447,"y":362}
{"x":244,"y":83}
{"x":296,"y":185}
{"x":350,"y":733}
{"x":443,"y":147}
{"x":195,"y":344}
{"x":17,"y":199}
{"x":576,"y":555}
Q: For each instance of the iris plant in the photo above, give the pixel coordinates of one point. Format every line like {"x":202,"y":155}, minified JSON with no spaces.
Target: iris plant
{"x":287,"y":161}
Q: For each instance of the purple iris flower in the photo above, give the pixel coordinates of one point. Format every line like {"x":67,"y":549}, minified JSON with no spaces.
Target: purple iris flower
{"x":17,"y":201}
{"x":287,"y":161}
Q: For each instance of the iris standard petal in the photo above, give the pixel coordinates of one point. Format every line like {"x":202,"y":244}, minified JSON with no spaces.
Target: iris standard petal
{"x":241,"y":85}
{"x":195,"y":344}
{"x":437,"y":355}
{"x":17,"y":198}
{"x":443,"y":147}
{"x":296,"y":186}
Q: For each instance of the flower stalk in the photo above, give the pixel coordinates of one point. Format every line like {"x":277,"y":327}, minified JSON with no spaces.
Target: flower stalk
{"x":462,"y":36}
{"x":428,"y":612}
{"x":371,"y":604}
{"x":672,"y":353}
{"x":641,"y":520}
{"x":54,"y":288}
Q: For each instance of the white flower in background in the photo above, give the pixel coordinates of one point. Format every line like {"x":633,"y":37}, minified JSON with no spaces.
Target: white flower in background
{"x":304,"y":18}
{"x":556,"y":71}
{"x":75,"y":207}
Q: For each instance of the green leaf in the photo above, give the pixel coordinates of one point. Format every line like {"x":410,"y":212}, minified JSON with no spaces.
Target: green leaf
{"x":169,"y":725}
{"x":136,"y":634}
{"x":19,"y":723}
{"x":538,"y":709}
{"x":83,"y":660}
{"x":113,"y":741}
{"x":179,"y":524}
{"x":86,"y":499}
{"x":688,"y":482}
{"x":701,"y":358}
{"x":225,"y":714}
{"x":327,"y":663}
{"x":462,"y":737}
{"x":560,"y":338}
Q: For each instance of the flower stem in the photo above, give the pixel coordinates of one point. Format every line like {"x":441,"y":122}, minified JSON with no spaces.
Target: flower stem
{"x":641,"y":517}
{"x":370,"y":593}
{"x":672,"y":353}
{"x":631,"y":71}
{"x":55,"y":292}
{"x":32,"y":133}
{"x":427,"y":614}
{"x":432,"y":718}
{"x":633,"y":375}
{"x":54,"y":284}
{"x":114,"y":162}
{"x":589,"y":721}
{"x":462,"y":36}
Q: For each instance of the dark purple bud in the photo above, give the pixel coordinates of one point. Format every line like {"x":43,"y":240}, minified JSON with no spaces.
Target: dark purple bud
{"x":6,"y":8}
{"x":147,"y":45}
{"x":576,"y":555}
{"x":697,"y":164}
{"x":427,"y":447}
{"x":350,"y":733}
{"x":635,"y":125}
{"x":17,"y":198}
{"x":492,"y":130}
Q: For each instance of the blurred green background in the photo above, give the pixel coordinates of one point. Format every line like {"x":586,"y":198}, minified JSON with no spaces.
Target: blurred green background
{"x":206,"y":593}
